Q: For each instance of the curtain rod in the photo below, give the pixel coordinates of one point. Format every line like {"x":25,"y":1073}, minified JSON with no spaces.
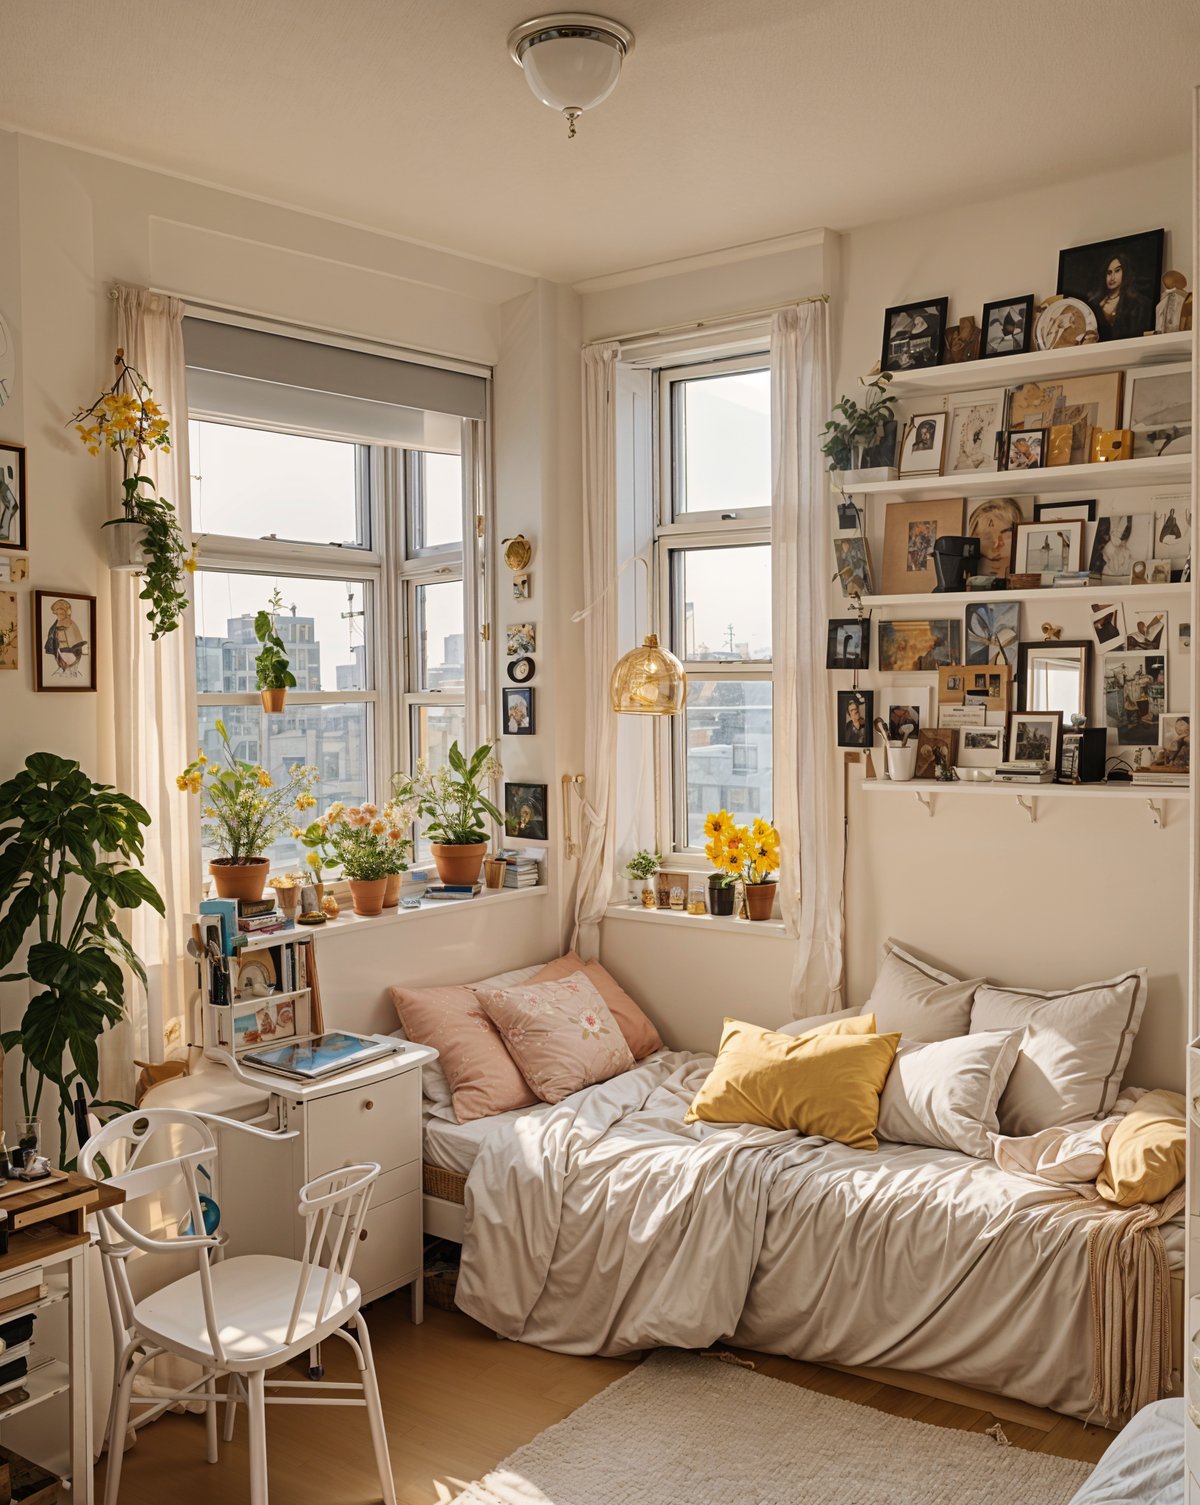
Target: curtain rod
{"x":698,"y":326}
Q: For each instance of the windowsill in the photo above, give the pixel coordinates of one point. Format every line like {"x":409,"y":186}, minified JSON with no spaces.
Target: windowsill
{"x":700,"y":922}
{"x":347,"y":920}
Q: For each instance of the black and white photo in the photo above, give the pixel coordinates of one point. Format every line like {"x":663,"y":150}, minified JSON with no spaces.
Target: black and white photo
{"x":848,"y":643}
{"x":14,"y":529}
{"x":1034,"y":736}
{"x":912,"y":335}
{"x":855,"y":717}
{"x":1007,"y":326}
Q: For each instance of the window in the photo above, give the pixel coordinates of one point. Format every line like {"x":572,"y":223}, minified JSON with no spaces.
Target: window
{"x":713,"y":547}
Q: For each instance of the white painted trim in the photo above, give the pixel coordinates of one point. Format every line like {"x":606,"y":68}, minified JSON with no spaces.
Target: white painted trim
{"x":749,"y":251}
{"x":701,"y":923}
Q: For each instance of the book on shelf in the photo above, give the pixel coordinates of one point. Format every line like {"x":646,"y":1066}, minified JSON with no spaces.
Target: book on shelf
{"x":452,"y":890}
{"x":1163,"y":776}
{"x":248,"y":908}
{"x":266,"y":925}
{"x":1023,"y":776}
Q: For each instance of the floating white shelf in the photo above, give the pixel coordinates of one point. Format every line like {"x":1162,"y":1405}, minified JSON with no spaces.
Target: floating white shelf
{"x":1166,"y":470}
{"x":1048,"y":593}
{"x":1008,"y":370}
{"x":926,"y":791}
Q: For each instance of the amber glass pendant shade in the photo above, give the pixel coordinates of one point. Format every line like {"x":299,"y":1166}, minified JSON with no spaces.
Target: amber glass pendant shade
{"x":648,"y":681}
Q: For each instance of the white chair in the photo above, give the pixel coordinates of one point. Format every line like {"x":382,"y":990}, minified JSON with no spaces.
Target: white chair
{"x":237,"y":1317}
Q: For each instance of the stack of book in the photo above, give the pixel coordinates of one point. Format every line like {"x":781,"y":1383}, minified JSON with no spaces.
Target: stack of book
{"x":1164,"y":775}
{"x":1020,"y":771}
{"x":260,"y":917}
{"x":521,"y":871}
{"x":452,"y":890}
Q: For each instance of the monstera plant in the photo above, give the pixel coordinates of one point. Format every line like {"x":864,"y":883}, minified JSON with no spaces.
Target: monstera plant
{"x":70,"y":852}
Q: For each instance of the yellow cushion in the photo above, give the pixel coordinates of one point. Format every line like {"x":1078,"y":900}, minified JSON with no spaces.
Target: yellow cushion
{"x":1147,"y":1151}
{"x":825,"y":1082}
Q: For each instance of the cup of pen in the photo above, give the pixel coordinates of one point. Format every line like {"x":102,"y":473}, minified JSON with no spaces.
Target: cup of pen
{"x":901,"y":753}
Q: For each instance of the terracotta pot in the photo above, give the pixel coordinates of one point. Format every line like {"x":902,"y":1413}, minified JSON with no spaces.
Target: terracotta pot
{"x":273,"y":701}
{"x":459,"y":863}
{"x":391,"y":892}
{"x":760,"y":900}
{"x":367,"y":894}
{"x":721,"y":897}
{"x":239,"y":880}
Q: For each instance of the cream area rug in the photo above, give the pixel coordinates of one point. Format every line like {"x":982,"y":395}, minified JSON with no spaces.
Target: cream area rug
{"x":684,"y":1429}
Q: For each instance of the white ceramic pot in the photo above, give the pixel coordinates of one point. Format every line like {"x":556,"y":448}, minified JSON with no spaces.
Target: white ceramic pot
{"x":902,"y":762}
{"x":124,"y":545}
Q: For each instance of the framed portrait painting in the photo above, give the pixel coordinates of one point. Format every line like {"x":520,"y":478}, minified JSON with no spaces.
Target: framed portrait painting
{"x":525,"y":812}
{"x":913,"y":334}
{"x":1118,"y":279}
{"x":923,"y":445}
{"x":64,"y":626}
{"x":14,"y":530}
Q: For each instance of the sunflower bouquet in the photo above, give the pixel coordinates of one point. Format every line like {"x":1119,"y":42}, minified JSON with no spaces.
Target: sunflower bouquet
{"x":750,"y":853}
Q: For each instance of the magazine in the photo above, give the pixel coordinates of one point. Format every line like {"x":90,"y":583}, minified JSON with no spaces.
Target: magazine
{"x":318,"y":1055}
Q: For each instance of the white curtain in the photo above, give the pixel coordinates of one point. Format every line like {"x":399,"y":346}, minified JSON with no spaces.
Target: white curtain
{"x":152,"y":722}
{"x":807,"y":793}
{"x":594,"y":882}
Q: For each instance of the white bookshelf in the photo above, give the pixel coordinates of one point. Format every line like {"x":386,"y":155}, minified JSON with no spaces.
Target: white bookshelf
{"x":1166,"y":470}
{"x":928,"y":793}
{"x":1047,"y":593}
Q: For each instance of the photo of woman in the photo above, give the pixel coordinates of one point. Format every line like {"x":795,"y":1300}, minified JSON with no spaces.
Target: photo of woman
{"x":1122,"y":312}
{"x":1118,"y":279}
{"x":994,"y":524}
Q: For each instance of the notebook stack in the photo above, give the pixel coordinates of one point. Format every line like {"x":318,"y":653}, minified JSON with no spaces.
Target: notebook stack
{"x":260,"y":917}
{"x":1164,"y":777}
{"x":521,"y":872}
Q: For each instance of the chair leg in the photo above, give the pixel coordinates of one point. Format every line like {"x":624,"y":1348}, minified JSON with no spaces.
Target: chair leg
{"x":418,"y":1300}
{"x":375,"y":1413}
{"x":233,"y":1390}
{"x":256,"y":1418}
{"x":210,"y":1417}
{"x":119,"y":1426}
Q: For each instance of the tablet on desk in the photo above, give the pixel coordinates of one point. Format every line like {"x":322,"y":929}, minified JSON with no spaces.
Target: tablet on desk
{"x":317,"y":1056}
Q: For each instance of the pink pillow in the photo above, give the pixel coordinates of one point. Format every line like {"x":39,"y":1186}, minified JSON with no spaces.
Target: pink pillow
{"x":482,"y":1076}
{"x":640,"y":1035}
{"x":560,"y":1033}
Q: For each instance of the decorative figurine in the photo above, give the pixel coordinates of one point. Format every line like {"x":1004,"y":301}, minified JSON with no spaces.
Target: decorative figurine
{"x":962,"y":341}
{"x":1173,"y":312}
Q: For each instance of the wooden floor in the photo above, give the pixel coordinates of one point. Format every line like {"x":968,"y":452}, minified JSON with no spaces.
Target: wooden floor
{"x":457,"y":1401}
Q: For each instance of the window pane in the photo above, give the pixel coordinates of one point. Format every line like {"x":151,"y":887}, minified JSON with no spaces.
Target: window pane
{"x":441,"y":498}
{"x":727,"y":727}
{"x":439,"y":636}
{"x":434,"y":728}
{"x":322,"y":625}
{"x":335,"y":739}
{"x":724,"y":424}
{"x":724,"y":608}
{"x":250,"y":483}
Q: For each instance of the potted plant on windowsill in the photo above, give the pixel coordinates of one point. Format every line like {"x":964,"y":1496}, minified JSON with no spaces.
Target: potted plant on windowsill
{"x":848,"y":442}
{"x":726,"y":863}
{"x":453,"y":800}
{"x":244,"y":811}
{"x":640,"y":868}
{"x":271,"y":667}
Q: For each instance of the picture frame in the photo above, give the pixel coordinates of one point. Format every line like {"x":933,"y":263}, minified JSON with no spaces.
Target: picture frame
{"x":848,"y":643}
{"x":1158,"y":410}
{"x":1048,"y":548}
{"x":1135,"y":696}
{"x":981,"y":746}
{"x":989,"y":685}
{"x":1064,"y":512}
{"x":1007,"y":327}
{"x":1119,"y":280}
{"x":1173,"y":529}
{"x":910,"y":530}
{"x":1023,"y":449}
{"x":64,"y":629}
{"x":14,"y":519}
{"x":855,"y":718}
{"x":526,"y":812}
{"x":1046,"y":672}
{"x":915,"y":647}
{"x":975,"y":422}
{"x":519,"y":711}
{"x":849,"y":518}
{"x":9,"y":631}
{"x":520,"y":587}
{"x":923,"y":445}
{"x":852,"y":561}
{"x":1035,"y":737}
{"x":905,"y":705}
{"x":913,"y":334}
{"x":1120,"y":540}
{"x":937,"y":751}
{"x":993,"y":630}
{"x":1175,"y":741}
{"x":522,"y":639}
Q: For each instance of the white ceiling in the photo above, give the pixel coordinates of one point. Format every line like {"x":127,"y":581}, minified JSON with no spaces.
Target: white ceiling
{"x":735,"y":121}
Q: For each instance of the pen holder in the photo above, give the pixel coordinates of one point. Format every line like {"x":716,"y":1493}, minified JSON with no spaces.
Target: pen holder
{"x":902,"y":762}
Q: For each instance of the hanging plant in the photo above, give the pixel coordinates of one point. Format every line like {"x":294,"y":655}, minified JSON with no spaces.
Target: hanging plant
{"x":146,"y":538}
{"x":271,"y":667}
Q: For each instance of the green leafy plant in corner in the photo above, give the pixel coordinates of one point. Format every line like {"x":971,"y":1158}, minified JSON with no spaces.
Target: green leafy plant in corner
{"x":859,"y":428}
{"x":70,"y":852}
{"x":643,"y":865}
{"x":271,"y":666}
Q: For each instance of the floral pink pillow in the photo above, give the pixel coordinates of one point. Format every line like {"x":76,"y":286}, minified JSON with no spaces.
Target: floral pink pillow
{"x":561,"y":1034}
{"x":482,"y":1076}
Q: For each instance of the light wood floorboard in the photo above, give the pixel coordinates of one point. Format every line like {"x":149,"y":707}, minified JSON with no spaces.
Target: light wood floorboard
{"x":457,"y":1401}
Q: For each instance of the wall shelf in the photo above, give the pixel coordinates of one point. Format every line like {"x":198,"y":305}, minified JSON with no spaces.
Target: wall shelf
{"x":1166,"y":470}
{"x":1008,"y":370}
{"x":1048,"y":593}
{"x":927,"y":792}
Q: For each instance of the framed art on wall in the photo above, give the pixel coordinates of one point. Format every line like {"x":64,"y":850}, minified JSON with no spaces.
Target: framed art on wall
{"x":913,"y":334}
{"x":1158,"y":410}
{"x":924,"y":442}
{"x":993,"y":631}
{"x":1048,"y":549}
{"x":1023,"y":449}
{"x":8,"y":630}
{"x":937,"y":749}
{"x":975,"y":421}
{"x":525,"y":812}
{"x":1118,"y":279}
{"x":1034,"y":737}
{"x":980,"y":747}
{"x":855,"y":715}
{"x":518,"y":712}
{"x":848,"y":643}
{"x":1135,"y":696}
{"x":64,"y":625}
{"x":910,"y":530}
{"x":914,"y":647}
{"x":905,"y":707}
{"x":1007,"y":326}
{"x":14,"y":531}
{"x":852,"y":561}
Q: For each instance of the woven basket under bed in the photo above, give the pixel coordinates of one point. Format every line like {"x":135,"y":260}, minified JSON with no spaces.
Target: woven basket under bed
{"x":447,"y":1186}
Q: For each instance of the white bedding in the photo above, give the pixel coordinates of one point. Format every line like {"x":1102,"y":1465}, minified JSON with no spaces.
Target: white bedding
{"x":1145,"y":1463}
{"x":455,"y":1146}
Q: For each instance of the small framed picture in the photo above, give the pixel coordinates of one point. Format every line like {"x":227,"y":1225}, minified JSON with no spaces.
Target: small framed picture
{"x":1064,"y":512}
{"x":518,"y":712}
{"x":980,"y":746}
{"x":919,"y":646}
{"x":64,"y":626}
{"x":849,"y":519}
{"x":1175,"y":739}
{"x":1023,"y":449}
{"x":976,"y":419}
{"x":14,"y":533}
{"x":913,"y":334}
{"x":937,"y":750}
{"x":848,"y":644}
{"x":1118,"y":279}
{"x":1047,"y":549}
{"x":924,"y":442}
{"x":855,"y":718}
{"x":521,"y":587}
{"x":1007,"y":326}
{"x":1172,"y":531}
{"x":522,"y":639}
{"x":1158,"y":410}
{"x":8,"y":630}
{"x":525,"y":812}
{"x":1034,"y":737}
{"x":852,"y":561}
{"x":905,"y":707}
{"x":910,"y":530}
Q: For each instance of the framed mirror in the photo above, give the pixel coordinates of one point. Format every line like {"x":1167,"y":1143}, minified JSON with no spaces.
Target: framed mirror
{"x":1055,"y":676}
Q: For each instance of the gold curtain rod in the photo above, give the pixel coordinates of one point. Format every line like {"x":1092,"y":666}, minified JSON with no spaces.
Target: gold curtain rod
{"x":697,"y":326}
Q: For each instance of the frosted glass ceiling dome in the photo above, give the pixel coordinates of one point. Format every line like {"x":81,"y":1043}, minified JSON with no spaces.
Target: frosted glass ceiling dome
{"x":572,"y":62}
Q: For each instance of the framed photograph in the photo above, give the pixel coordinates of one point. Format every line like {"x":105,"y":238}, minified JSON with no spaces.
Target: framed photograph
{"x":905,"y":707}
{"x":980,"y":747}
{"x":64,"y":626}
{"x":937,"y":749}
{"x":916,"y":647}
{"x":849,"y":518}
{"x":882,"y":454}
{"x":1082,"y":403}
{"x":910,"y":530}
{"x":1135,"y":696}
{"x":1048,"y":548}
{"x":14,"y":531}
{"x":993,"y":632}
{"x":913,"y":334}
{"x":522,"y":639}
{"x":1034,"y":737}
{"x":520,"y":587}
{"x":1120,"y":540}
{"x":1023,"y":449}
{"x":1175,"y":739}
{"x":1007,"y":326}
{"x":853,"y":562}
{"x":1147,"y":630}
{"x":1185,"y":637}
{"x":518,"y":712}
{"x":989,"y":685}
{"x":1119,"y":281}
{"x":525,"y":807}
{"x":8,"y":630}
{"x":1173,"y":530}
{"x":1160,"y":572}
{"x":994,"y":523}
{"x":855,"y":718}
{"x":1064,"y":512}
{"x":924,"y":442}
{"x":1108,"y":626}
{"x":1158,"y":410}
{"x":975,"y":421}
{"x":848,"y":644}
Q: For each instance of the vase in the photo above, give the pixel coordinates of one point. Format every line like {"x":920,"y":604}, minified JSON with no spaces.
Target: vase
{"x":239,"y":880}
{"x":319,"y":890}
{"x":721,"y":897}
{"x":273,"y":701}
{"x":367,"y":894}
{"x":124,"y":545}
{"x":391,"y":890}
{"x":459,"y":862}
{"x":760,"y":900}
{"x":495,"y":871}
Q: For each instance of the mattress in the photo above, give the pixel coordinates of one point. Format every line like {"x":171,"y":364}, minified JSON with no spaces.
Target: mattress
{"x":454,"y":1146}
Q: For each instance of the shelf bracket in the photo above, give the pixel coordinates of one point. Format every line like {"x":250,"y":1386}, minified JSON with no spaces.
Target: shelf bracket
{"x":1156,"y":813}
{"x":1029,"y":807}
{"x":924,"y":799}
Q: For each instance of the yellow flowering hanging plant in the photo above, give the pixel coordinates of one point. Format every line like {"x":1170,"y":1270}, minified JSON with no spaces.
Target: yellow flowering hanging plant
{"x":750,"y":853}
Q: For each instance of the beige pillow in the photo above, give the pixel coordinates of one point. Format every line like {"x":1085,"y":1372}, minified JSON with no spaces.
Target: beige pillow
{"x":1074,"y":1053}
{"x":561,"y":1034}
{"x":1147,"y":1153}
{"x":917,"y":1000}
{"x":640,"y":1035}
{"x":946,"y":1094}
{"x":482,"y":1076}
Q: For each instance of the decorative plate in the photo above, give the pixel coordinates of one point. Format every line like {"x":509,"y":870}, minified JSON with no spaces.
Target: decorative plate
{"x":518,"y":552}
{"x":520,"y":671}
{"x":256,"y":975}
{"x":1063,"y":323}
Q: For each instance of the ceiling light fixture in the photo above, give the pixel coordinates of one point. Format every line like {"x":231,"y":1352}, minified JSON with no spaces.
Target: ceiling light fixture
{"x":571,"y":61}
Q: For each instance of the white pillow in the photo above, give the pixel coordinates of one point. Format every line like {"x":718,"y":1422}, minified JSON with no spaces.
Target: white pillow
{"x":1074,"y":1053}
{"x":917,"y":1000}
{"x":945,"y":1094}
{"x":802,"y":1026}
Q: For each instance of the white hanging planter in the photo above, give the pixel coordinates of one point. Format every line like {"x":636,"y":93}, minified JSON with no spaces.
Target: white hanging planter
{"x":124,"y":545}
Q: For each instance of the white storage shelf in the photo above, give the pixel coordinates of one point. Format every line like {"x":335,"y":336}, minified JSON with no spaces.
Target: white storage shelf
{"x":1046,"y":593}
{"x":1026,"y":796}
{"x":1168,"y":470}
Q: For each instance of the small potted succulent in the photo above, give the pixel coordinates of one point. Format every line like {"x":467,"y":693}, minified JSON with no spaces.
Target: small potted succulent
{"x":859,"y":430}
{"x":452,"y":798}
{"x":640,"y":868}
{"x":726,"y":861}
{"x":271,"y":669}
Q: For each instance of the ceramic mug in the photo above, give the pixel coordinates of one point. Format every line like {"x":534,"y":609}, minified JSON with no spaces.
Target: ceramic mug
{"x":902,"y":761}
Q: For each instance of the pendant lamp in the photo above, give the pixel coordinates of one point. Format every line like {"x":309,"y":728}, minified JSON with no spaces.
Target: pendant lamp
{"x":648,"y":681}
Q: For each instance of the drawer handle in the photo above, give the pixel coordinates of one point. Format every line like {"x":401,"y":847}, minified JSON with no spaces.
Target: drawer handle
{"x":369,"y":1104}
{"x":362,"y":1237}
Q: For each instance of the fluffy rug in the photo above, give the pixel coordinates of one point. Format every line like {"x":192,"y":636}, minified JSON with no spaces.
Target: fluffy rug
{"x":683,"y":1429}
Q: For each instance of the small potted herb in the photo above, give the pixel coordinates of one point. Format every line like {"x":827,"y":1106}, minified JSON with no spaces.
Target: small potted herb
{"x":848,"y":440}
{"x":271,"y":669}
{"x":640,"y":868}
